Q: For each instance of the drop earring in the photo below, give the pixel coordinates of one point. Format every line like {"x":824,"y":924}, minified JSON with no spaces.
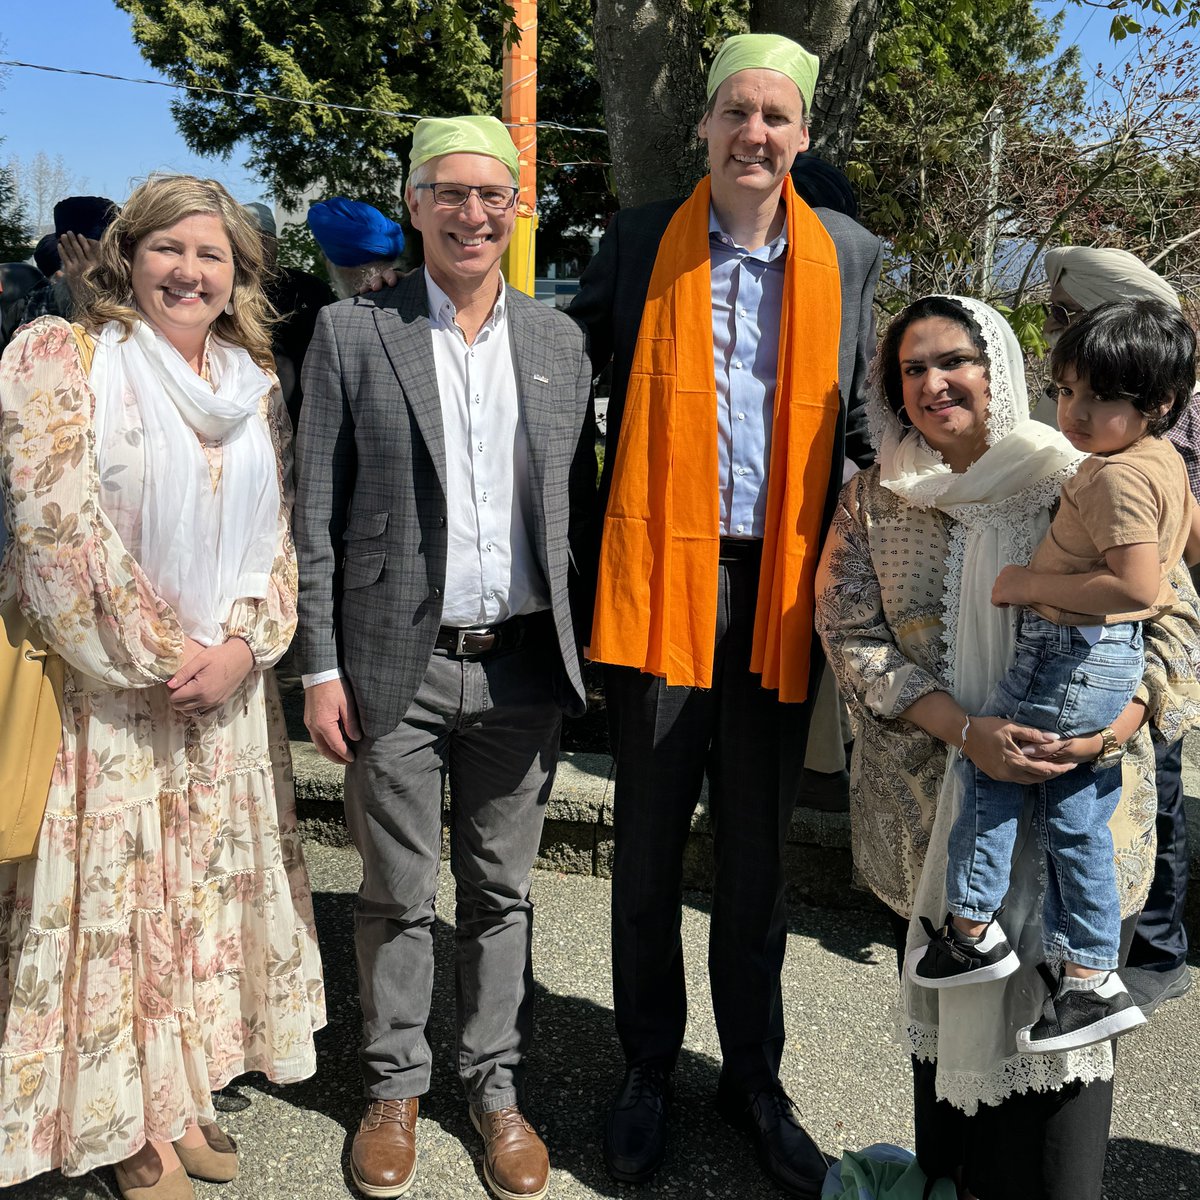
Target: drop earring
{"x":229,"y":307}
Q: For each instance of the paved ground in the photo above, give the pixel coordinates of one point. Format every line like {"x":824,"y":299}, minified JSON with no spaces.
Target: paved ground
{"x":848,"y":1077}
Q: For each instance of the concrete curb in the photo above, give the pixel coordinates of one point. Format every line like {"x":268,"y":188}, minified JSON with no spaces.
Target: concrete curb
{"x":578,"y":835}
{"x":577,"y":839}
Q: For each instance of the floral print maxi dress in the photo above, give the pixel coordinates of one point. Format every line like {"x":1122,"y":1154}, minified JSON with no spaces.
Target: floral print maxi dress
{"x":162,"y":940}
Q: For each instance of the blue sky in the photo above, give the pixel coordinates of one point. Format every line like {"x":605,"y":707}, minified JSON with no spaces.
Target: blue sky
{"x":112,"y":135}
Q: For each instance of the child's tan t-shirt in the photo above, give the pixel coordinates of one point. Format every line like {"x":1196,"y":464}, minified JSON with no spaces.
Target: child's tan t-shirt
{"x":1137,"y":495}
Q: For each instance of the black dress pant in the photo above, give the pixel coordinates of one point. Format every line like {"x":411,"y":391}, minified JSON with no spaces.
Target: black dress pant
{"x":1033,"y":1146}
{"x":1160,"y":941}
{"x":751,"y":748}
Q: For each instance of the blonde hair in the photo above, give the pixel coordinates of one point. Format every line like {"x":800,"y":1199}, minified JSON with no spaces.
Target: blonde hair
{"x":160,"y":203}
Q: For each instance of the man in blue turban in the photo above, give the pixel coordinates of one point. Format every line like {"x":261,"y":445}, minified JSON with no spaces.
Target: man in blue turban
{"x":357,"y":240}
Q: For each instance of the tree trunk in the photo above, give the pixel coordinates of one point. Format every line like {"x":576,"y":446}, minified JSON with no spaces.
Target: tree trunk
{"x":842,"y":34}
{"x":648,"y":58}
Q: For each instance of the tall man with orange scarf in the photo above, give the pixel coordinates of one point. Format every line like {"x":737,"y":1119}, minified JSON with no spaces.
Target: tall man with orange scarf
{"x":738,"y":323}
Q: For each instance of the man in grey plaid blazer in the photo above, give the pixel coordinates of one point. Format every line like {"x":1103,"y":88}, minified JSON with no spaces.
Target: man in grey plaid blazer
{"x":445,"y":453}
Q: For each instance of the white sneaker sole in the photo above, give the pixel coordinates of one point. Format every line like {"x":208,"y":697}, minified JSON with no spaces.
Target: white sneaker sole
{"x":1101,"y":1031}
{"x":1007,"y":966}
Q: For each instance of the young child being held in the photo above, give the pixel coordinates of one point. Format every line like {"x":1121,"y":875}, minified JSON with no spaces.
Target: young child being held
{"x":1122,"y":374}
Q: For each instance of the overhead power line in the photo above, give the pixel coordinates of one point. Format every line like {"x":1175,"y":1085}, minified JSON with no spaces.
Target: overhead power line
{"x":216,"y":91}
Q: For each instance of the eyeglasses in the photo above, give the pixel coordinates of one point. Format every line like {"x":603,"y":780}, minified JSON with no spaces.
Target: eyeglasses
{"x":454,"y":195}
{"x":1060,"y":314}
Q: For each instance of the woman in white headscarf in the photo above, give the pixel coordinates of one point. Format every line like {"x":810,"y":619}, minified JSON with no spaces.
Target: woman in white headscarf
{"x":161,"y":941}
{"x":963,"y":485}
{"x":1082,"y":278}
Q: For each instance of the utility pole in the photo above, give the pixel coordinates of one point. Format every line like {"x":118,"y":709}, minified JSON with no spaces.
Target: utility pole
{"x":519,"y":113}
{"x":995,"y":126}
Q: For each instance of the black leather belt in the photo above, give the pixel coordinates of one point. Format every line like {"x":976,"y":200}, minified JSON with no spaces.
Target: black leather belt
{"x":740,"y":549}
{"x":479,"y":643}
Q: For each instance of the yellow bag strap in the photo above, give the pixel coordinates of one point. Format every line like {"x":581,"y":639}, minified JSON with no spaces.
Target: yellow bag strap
{"x":87,"y":347}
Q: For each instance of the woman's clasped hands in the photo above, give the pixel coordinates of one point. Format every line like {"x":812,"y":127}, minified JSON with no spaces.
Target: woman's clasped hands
{"x":209,"y":675}
{"x":1020,"y":754}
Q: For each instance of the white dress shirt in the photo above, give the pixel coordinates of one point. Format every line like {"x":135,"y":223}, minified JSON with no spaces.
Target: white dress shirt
{"x":492,"y":572}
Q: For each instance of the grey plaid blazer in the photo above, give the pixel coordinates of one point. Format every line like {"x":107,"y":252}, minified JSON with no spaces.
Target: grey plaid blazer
{"x":370,"y":515}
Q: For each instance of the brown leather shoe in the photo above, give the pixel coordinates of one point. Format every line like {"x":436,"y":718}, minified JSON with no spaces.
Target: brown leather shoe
{"x":515,"y":1163}
{"x":383,"y":1159}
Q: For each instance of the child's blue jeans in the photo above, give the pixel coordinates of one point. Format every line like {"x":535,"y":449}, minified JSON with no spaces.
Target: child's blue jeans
{"x":1061,"y":683}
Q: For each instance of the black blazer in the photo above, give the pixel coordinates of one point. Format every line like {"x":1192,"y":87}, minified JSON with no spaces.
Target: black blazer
{"x":612,"y":294}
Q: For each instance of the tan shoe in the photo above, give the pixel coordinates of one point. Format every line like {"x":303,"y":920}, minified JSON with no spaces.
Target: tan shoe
{"x":173,"y":1185}
{"x":214,"y":1162}
{"x":383,"y":1158}
{"x":515,"y":1163}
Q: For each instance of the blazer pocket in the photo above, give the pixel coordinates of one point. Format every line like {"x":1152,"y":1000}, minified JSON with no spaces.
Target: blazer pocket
{"x":365,"y":525}
{"x":362,"y":570}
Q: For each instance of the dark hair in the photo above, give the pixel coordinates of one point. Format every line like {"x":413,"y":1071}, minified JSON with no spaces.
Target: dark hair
{"x":1142,"y":351}
{"x":921,"y":310}
{"x":822,"y":185}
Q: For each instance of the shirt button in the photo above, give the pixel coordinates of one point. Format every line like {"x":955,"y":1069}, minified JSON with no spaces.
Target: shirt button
{"x":738,"y":365}
{"x":741,"y":416}
{"x":741,"y":529}
{"x":437,"y":592}
{"x":485,"y":497}
{"x":741,"y":470}
{"x":741,"y":312}
{"x":476,"y":399}
{"x":489,"y":546}
{"x":480,"y":447}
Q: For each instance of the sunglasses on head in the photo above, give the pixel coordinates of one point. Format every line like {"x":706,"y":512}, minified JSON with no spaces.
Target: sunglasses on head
{"x":1060,"y":314}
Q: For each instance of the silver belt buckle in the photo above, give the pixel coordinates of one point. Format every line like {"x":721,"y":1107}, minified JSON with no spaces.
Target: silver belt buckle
{"x":460,"y":641}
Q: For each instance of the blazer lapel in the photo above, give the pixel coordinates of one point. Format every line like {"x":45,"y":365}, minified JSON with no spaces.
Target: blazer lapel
{"x":404,"y":331}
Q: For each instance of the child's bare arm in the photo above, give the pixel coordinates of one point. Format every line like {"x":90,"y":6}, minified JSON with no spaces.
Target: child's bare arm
{"x":1191,"y":552}
{"x":1128,"y":582}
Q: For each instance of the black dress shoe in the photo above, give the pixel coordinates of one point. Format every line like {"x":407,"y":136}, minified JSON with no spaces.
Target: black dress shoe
{"x":635,"y":1134}
{"x":785,"y":1151}
{"x":1150,"y":988}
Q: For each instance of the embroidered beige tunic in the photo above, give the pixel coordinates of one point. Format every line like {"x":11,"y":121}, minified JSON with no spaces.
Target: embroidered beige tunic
{"x":880,"y":613}
{"x":162,"y":941}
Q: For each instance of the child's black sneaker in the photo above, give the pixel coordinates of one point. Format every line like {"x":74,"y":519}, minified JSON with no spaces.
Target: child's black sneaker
{"x":1073,"y":1017}
{"x":950,"y":961}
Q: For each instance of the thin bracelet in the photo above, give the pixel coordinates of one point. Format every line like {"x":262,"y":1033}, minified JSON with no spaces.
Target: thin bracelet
{"x":963,"y":736}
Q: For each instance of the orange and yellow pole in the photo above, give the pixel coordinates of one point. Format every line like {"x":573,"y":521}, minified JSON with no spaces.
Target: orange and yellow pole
{"x":519,"y":113}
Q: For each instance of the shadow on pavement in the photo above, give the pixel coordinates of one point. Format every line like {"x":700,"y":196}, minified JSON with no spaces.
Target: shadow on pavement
{"x":573,"y":1071}
{"x":1137,"y":1168}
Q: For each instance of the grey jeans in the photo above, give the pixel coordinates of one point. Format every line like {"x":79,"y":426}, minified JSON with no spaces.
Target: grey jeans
{"x":492,"y":727}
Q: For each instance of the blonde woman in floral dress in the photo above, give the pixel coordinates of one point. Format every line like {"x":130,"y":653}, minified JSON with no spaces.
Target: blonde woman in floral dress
{"x":161,"y":942}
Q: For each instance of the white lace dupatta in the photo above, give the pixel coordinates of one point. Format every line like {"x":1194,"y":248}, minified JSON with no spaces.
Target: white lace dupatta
{"x":1000,"y":506}
{"x":201,"y":547}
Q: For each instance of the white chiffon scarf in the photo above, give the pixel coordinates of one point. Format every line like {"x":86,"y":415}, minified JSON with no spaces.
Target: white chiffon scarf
{"x":1000,"y":506}
{"x":201,"y":547}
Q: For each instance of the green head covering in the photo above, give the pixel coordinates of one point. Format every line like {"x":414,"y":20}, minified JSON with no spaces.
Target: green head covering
{"x":435,"y":136}
{"x":765,"y":52}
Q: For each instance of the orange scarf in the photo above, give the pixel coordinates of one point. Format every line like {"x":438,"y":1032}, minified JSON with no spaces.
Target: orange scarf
{"x":656,"y":599}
